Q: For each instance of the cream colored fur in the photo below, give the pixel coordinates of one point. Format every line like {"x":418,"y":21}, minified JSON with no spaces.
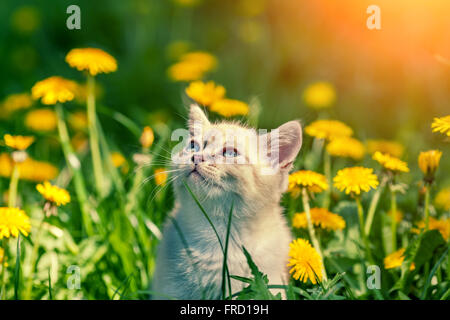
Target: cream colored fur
{"x":258,"y":222}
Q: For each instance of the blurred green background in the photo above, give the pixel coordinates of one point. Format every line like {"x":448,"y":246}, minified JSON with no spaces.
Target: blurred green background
{"x":390,"y":83}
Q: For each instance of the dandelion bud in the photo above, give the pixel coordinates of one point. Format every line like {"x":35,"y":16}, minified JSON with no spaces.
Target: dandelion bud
{"x":147,"y":137}
{"x":160,"y":176}
{"x":428,"y":163}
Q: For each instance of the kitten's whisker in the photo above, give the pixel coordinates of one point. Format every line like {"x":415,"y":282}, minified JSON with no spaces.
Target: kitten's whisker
{"x":168,"y":182}
{"x":154,"y":162}
{"x":146,"y":180}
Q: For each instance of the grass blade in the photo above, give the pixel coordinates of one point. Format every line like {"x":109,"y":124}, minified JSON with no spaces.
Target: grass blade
{"x":433,"y":271}
{"x":17,"y":271}
{"x":50,"y":295}
{"x":205,"y":214}
{"x":124,"y":284}
{"x":210,"y":222}
{"x":225,"y":276}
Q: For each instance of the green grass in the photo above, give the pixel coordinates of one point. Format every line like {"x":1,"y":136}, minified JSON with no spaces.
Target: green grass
{"x":110,"y":235}
{"x":115,"y":246}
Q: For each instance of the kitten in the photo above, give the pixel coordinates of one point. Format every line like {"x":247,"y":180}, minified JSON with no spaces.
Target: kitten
{"x":218,"y":183}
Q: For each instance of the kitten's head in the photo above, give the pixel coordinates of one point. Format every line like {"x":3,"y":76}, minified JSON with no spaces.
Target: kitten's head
{"x":225,"y":161}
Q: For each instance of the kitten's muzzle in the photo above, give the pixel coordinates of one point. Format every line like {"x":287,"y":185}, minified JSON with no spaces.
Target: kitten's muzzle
{"x":197,"y":158}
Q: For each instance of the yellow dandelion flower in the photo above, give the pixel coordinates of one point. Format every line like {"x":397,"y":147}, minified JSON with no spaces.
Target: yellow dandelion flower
{"x":398,"y":215}
{"x":18,"y":142}
{"x":312,"y":181}
{"x":355,"y":180}
{"x":328,"y":129}
{"x":230,"y":108}
{"x":305,"y":261}
{"x":118,"y":159}
{"x":2,"y":256}
{"x":395,"y":260}
{"x":205,"y":93}
{"x":346,"y":147}
{"x":17,"y":101}
{"x":79,"y":141}
{"x":319,"y":95}
{"x":442,"y":225}
{"x":429,"y":162}
{"x":320,"y":217}
{"x":78,"y":120}
{"x":93,"y":60}
{"x":203,"y":60}
{"x":41,"y":120}
{"x":442,"y":199}
{"x":185,"y":71}
{"x":160,"y":176}
{"x":390,"y":163}
{"x":53,"y":194}
{"x":192,"y":66}
{"x":54,"y":89}
{"x":29,"y":169}
{"x":147,"y":137}
{"x":392,"y":148}
{"x":441,"y":125}
{"x":12,"y":222}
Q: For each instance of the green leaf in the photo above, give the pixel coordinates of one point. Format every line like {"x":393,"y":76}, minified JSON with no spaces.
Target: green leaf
{"x":403,"y":296}
{"x":430,"y":241}
{"x":242,"y":279}
{"x":258,"y":287}
{"x":418,"y":252}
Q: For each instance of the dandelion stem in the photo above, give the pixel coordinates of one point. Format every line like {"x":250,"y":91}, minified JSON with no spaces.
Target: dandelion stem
{"x":13,"y":184}
{"x":363,"y":233}
{"x":427,"y":207}
{"x":373,"y":206}
{"x":312,"y":233}
{"x":393,"y":219}
{"x":75,"y":167}
{"x":3,"y":274}
{"x":34,"y":255}
{"x":93,"y":137}
{"x":327,"y":171}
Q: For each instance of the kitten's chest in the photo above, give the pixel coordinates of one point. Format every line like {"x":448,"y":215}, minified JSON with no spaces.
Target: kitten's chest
{"x":207,"y":246}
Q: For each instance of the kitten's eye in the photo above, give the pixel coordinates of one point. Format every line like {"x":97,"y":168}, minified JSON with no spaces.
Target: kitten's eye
{"x":193,"y":146}
{"x":230,"y":152}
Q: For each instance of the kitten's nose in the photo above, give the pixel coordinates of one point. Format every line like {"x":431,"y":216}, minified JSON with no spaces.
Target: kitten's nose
{"x":197,"y":158}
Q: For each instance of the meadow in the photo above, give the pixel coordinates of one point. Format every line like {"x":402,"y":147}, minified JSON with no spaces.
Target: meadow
{"x":86,"y":118}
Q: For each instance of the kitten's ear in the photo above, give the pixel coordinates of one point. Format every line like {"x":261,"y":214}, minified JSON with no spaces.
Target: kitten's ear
{"x":288,"y":143}
{"x":197,"y":119}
